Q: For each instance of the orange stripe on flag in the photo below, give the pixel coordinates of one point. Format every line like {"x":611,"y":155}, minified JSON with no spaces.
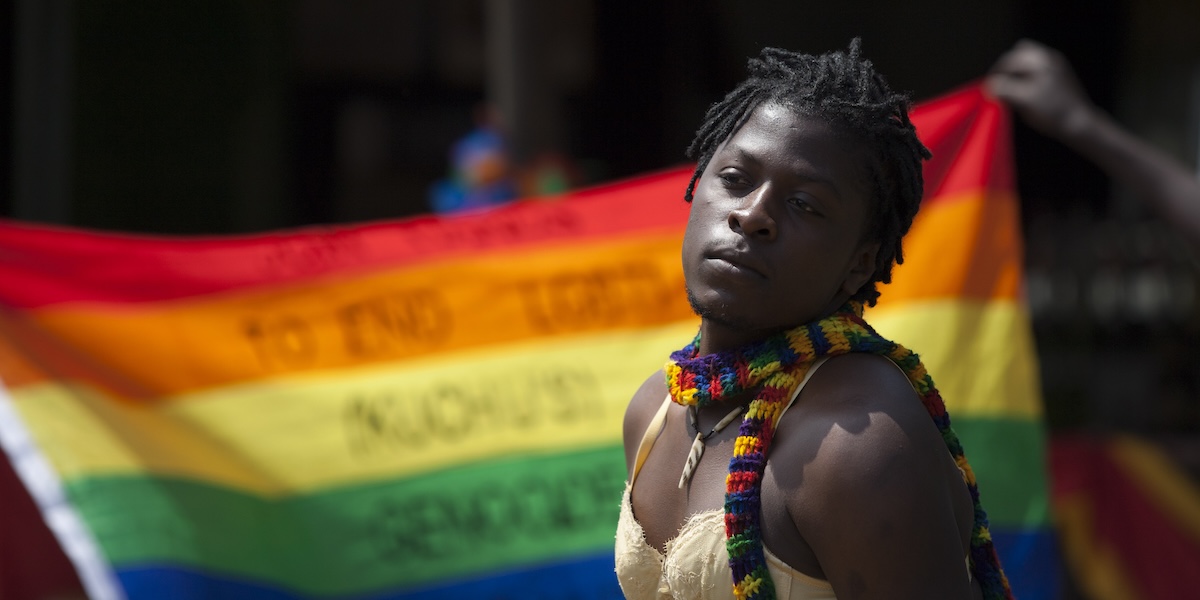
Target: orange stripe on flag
{"x":16,"y":369}
{"x":967,"y":248}
{"x":170,"y":348}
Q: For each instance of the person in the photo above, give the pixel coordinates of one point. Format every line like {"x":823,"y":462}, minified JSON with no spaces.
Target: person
{"x":481,"y":173}
{"x":808,"y":175}
{"x":1040,"y":85}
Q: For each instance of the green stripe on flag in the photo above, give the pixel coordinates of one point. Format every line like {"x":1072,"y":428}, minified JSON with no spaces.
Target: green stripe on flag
{"x":470,"y":520}
{"x":390,"y":535}
{"x":1009,"y":460}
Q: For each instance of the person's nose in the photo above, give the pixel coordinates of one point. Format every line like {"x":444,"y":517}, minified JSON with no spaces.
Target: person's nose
{"x":752,"y":216}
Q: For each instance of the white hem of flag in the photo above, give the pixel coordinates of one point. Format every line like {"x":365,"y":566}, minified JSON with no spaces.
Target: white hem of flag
{"x":43,"y":484}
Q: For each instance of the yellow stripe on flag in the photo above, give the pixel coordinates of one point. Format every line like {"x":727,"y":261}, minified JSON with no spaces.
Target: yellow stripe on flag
{"x":316,"y":431}
{"x":83,"y":432}
{"x":992,"y":336}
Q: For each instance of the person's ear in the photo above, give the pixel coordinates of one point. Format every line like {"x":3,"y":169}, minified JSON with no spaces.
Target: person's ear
{"x":861,"y":268}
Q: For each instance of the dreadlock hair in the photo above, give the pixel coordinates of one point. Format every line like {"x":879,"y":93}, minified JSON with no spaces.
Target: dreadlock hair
{"x":844,"y":90}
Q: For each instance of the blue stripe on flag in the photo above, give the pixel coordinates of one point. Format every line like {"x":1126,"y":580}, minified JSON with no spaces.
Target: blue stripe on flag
{"x":1031,"y":561}
{"x":587,"y":578}
{"x":157,"y":582}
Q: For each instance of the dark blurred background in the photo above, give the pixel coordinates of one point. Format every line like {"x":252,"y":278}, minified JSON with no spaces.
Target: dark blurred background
{"x":232,"y":115}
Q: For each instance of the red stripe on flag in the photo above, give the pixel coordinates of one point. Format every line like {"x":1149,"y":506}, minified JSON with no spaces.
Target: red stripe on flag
{"x":43,"y":265}
{"x":970,"y":136}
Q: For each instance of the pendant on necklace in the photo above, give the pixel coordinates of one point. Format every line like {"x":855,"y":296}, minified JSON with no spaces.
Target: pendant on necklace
{"x":693,"y":459}
{"x":697,"y":450}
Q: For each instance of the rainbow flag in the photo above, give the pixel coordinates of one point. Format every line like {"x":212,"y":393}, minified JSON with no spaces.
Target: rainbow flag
{"x":433,"y":407}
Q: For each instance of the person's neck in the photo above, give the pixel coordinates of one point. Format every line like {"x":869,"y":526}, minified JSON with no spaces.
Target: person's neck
{"x":720,"y":337}
{"x":716,"y":336}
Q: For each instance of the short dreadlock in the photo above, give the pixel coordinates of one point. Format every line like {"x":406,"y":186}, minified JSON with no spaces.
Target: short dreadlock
{"x":843,"y":89}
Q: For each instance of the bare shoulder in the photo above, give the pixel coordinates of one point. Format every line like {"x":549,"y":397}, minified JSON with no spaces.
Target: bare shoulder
{"x":864,"y":477}
{"x":642,"y":407}
{"x":855,"y":407}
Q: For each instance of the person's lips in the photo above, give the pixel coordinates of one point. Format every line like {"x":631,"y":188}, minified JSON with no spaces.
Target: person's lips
{"x":737,"y":262}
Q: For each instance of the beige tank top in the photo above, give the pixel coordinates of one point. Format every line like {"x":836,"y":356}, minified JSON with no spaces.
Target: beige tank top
{"x":696,"y":563}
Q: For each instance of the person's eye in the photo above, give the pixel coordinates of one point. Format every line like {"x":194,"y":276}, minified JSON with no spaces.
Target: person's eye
{"x":804,"y":205}
{"x":731,"y":179}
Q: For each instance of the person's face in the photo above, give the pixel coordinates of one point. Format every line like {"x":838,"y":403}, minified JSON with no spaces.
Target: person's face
{"x":774,"y":237}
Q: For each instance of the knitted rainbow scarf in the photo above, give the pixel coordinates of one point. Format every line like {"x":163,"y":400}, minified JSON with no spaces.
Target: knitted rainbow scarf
{"x":775,"y":366}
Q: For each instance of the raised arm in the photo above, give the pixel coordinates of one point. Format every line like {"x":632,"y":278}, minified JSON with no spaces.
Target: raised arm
{"x":1039,"y":84}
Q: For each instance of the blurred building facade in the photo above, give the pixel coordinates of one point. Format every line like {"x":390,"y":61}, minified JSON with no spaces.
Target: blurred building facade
{"x":227,"y":116}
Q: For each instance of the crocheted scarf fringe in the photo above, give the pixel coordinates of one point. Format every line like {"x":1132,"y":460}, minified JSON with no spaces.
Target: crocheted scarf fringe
{"x":776,"y":366}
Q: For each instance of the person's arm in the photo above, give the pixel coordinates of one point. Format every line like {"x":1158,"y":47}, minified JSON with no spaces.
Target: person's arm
{"x":867,"y":485}
{"x":1039,"y":84}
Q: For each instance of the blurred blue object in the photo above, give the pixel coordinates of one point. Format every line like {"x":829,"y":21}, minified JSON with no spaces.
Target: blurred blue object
{"x":480,"y":174}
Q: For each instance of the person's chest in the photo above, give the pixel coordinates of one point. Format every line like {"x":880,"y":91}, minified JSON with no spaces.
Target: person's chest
{"x":662,"y":508}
